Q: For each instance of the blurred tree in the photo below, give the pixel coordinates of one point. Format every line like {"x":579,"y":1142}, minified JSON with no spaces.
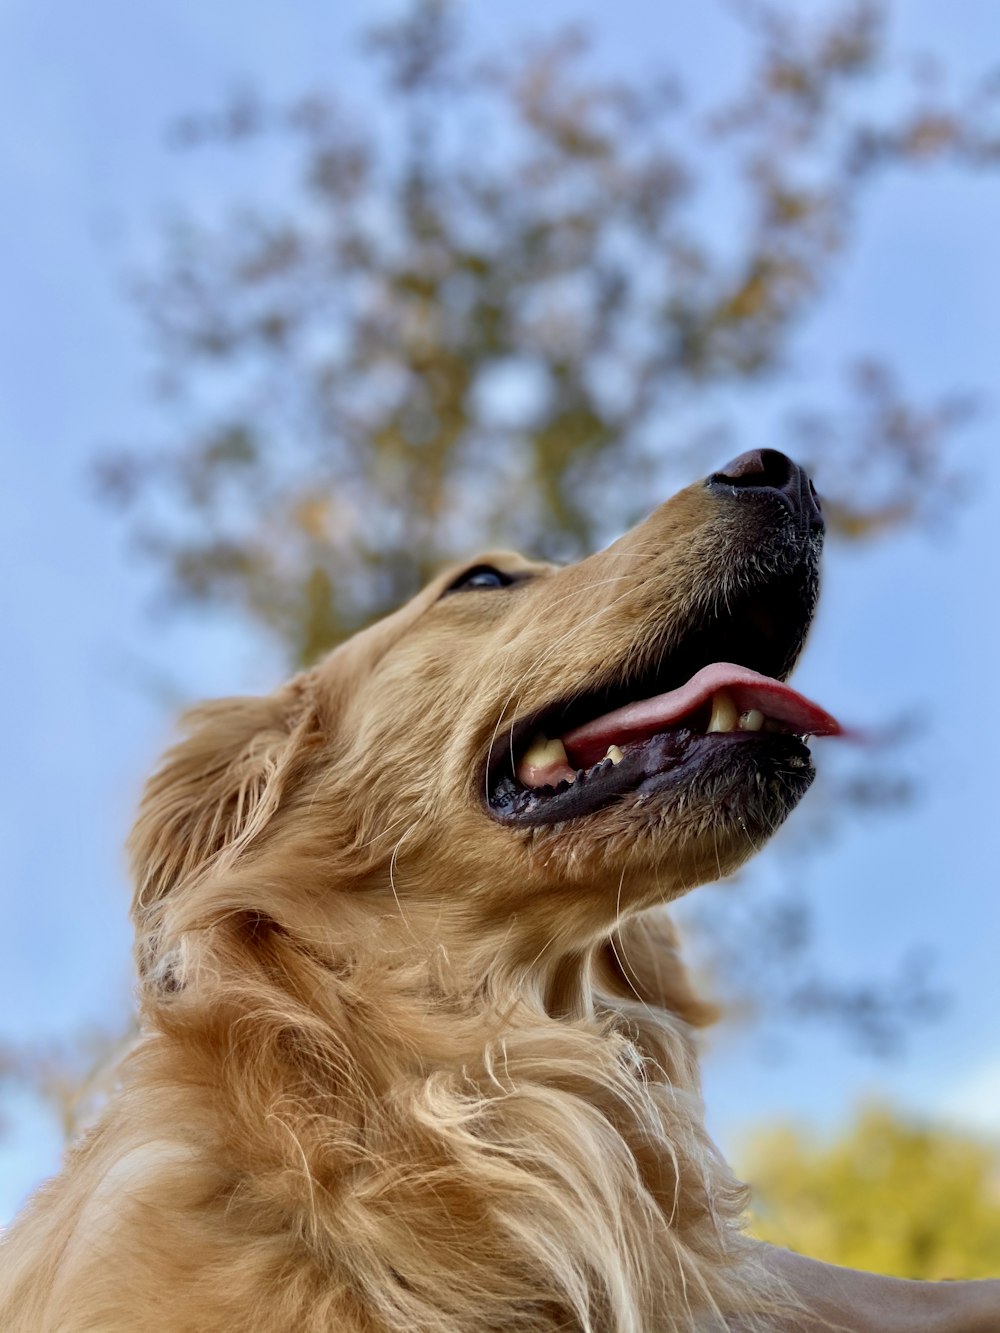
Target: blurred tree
{"x":514,"y":301}
{"x":498,"y":309}
{"x":889,"y":1195}
{"x":70,"y":1077}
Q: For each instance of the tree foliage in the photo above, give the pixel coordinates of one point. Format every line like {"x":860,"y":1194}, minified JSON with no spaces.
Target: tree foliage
{"x":69,"y":1077}
{"x":500,"y":307}
{"x":889,"y":1195}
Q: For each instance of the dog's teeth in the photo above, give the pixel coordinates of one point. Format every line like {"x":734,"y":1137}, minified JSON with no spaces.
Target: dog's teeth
{"x":542,"y":752}
{"x":724,"y":715}
{"x":752,"y":720}
{"x":614,"y":754}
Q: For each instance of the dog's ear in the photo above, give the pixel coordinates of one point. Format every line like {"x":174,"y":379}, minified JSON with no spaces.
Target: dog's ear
{"x":217,"y":788}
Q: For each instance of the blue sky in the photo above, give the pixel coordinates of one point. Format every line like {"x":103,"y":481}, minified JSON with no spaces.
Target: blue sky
{"x":85,"y":96}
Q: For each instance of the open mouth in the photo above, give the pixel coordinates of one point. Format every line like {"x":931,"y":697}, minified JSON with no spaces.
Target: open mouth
{"x":718,"y":697}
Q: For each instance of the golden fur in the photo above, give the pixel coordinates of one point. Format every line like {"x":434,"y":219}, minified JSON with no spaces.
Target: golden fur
{"x":403,"y":1067}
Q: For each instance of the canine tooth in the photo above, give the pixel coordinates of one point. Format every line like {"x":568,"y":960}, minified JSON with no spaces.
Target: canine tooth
{"x":542,"y":752}
{"x":614,"y":754}
{"x":724,"y":715}
{"x":752,"y":720}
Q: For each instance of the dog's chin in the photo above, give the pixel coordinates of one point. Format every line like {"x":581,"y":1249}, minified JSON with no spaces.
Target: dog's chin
{"x":716,"y":810}
{"x":692,"y":807}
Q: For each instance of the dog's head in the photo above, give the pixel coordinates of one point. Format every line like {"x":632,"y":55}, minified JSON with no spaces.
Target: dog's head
{"x":526,"y":750}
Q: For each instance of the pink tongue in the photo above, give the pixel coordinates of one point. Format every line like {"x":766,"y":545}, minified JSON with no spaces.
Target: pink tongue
{"x":748,"y":689}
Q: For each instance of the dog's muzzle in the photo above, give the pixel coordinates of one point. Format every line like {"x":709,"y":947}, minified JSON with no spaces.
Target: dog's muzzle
{"x":713,"y":699}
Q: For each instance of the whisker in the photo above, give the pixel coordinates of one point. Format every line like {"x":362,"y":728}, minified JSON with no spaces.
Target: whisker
{"x":392,"y":876}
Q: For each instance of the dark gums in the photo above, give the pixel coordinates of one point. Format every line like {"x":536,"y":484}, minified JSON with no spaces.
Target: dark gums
{"x":670,"y":760}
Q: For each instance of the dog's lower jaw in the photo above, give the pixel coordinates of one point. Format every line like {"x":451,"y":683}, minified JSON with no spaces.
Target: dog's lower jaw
{"x":652,"y":846}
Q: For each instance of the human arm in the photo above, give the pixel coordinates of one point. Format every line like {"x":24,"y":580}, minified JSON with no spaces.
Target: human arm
{"x":857,"y":1302}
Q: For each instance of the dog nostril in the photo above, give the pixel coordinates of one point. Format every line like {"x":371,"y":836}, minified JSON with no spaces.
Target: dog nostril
{"x":768,"y":470}
{"x":758,"y":467}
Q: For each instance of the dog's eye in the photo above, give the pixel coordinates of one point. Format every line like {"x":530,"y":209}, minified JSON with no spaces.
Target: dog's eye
{"x":479,"y":579}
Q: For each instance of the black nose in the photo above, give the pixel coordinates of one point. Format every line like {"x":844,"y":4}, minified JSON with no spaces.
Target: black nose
{"x":766,"y":471}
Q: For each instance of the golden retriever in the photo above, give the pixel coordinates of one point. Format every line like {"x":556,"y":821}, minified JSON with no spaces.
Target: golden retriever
{"x":416,"y":1053}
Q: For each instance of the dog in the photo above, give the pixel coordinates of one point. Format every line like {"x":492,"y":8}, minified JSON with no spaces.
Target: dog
{"x":418,"y":1051}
